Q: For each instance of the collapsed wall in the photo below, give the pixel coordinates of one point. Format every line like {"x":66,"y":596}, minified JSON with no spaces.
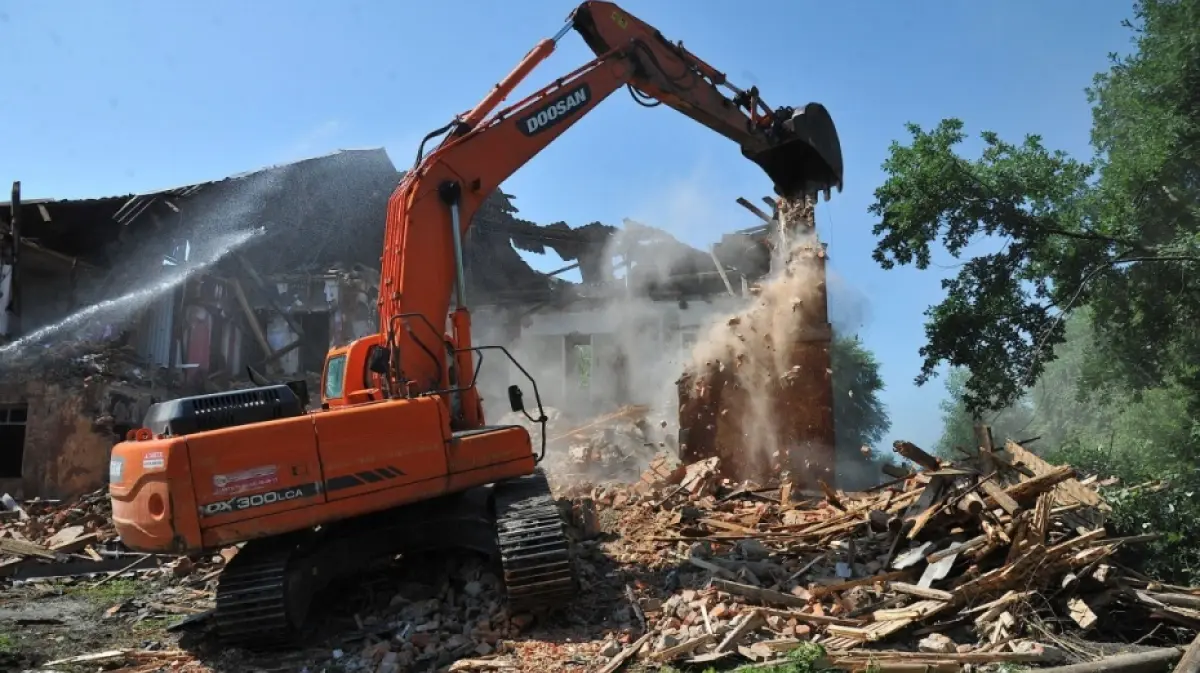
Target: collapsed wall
{"x":758,"y":392}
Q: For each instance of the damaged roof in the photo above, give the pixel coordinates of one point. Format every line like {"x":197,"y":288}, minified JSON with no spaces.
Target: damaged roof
{"x":329,"y":212}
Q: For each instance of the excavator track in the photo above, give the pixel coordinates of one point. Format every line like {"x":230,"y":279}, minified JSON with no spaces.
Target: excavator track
{"x":253,"y":597}
{"x":264,"y":592}
{"x":535,"y":553}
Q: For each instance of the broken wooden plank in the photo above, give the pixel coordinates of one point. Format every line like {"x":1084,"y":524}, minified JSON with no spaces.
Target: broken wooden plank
{"x":483,"y":665}
{"x":917,"y":455}
{"x":77,"y":544}
{"x":957,"y":548}
{"x":811,"y":618}
{"x":1039,"y":524}
{"x":958,"y":657}
{"x":36,"y":570}
{"x":920,"y":592}
{"x":684,"y":648}
{"x":625,"y":655}
{"x":1140,"y":662}
{"x":928,"y":495}
{"x":22,"y":548}
{"x":256,"y":331}
{"x":1190,"y":663}
{"x":1068,"y":491}
{"x":1030,"y":488}
{"x":93,"y":658}
{"x":824,"y":590}
{"x":733,"y":527}
{"x":742,"y":627}
{"x":765,"y":596}
{"x":997,"y":497}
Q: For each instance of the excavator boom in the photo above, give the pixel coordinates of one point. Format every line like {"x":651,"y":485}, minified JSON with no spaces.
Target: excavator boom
{"x":432,"y":207}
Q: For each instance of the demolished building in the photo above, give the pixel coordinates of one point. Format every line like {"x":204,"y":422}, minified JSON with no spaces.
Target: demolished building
{"x":279,"y":300}
{"x":274,"y":303}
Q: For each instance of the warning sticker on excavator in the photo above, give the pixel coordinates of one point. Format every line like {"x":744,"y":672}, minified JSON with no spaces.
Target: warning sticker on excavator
{"x":619,"y":19}
{"x":246,"y":480}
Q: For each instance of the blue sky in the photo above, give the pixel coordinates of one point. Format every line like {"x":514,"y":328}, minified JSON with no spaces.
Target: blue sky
{"x":132,"y":95}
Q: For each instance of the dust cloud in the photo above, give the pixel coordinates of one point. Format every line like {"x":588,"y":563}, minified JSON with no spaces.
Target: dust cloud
{"x":613,"y":400}
{"x":750,"y":356}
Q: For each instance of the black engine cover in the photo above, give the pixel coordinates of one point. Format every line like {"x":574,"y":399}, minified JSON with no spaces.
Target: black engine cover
{"x":188,"y":415}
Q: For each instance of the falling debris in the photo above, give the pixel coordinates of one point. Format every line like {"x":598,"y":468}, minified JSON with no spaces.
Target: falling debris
{"x":615,"y":447}
{"x":758,"y":392}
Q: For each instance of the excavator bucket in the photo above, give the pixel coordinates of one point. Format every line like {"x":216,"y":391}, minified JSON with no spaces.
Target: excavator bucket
{"x":807,"y":155}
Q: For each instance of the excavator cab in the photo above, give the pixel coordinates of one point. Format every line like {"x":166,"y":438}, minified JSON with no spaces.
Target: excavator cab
{"x":806,"y":156}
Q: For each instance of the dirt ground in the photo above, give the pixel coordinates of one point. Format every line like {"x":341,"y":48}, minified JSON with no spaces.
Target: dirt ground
{"x":47,"y":621}
{"x":42,"y":622}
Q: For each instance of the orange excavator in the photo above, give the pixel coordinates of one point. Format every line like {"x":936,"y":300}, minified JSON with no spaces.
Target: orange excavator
{"x":398,"y":459}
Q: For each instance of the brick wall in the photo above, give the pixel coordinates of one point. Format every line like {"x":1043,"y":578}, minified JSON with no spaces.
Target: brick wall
{"x":65,"y":452}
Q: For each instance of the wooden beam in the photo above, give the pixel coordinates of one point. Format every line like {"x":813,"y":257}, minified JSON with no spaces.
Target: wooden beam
{"x":274,"y":357}
{"x":252,"y":320}
{"x":270,"y":296}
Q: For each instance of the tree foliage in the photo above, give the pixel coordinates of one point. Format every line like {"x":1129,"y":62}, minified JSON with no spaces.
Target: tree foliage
{"x":1118,"y":232}
{"x":860,"y":417}
{"x":1080,"y":320}
{"x":958,"y":422}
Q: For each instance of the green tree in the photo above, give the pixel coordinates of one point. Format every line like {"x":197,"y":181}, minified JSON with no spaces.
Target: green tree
{"x":958,"y":421}
{"x":1118,"y":233}
{"x":1079,"y":315}
{"x":860,"y":417}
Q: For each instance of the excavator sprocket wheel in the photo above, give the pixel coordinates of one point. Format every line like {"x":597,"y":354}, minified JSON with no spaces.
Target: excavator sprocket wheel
{"x":535,"y":552}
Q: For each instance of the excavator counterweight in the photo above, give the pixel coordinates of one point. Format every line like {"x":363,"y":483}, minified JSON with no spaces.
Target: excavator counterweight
{"x":399,"y":458}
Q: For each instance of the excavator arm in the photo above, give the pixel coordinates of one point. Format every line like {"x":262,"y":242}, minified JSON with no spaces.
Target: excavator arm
{"x":431,"y":209}
{"x":798,"y":149}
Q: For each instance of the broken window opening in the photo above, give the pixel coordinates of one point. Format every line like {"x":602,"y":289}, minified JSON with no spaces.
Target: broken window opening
{"x":12,"y":440}
{"x":579,"y":360}
{"x":318,"y":335}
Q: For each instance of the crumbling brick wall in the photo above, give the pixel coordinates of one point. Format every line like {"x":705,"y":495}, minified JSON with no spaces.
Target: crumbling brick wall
{"x":762,"y":401}
{"x":64,"y":453}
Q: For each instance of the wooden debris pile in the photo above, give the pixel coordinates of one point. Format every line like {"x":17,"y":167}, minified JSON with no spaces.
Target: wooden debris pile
{"x":613,"y":448}
{"x":43,"y":531}
{"x":998,"y":558}
{"x":45,"y":539}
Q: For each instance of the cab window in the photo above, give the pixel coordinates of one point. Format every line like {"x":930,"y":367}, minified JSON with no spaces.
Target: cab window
{"x":335,"y":377}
